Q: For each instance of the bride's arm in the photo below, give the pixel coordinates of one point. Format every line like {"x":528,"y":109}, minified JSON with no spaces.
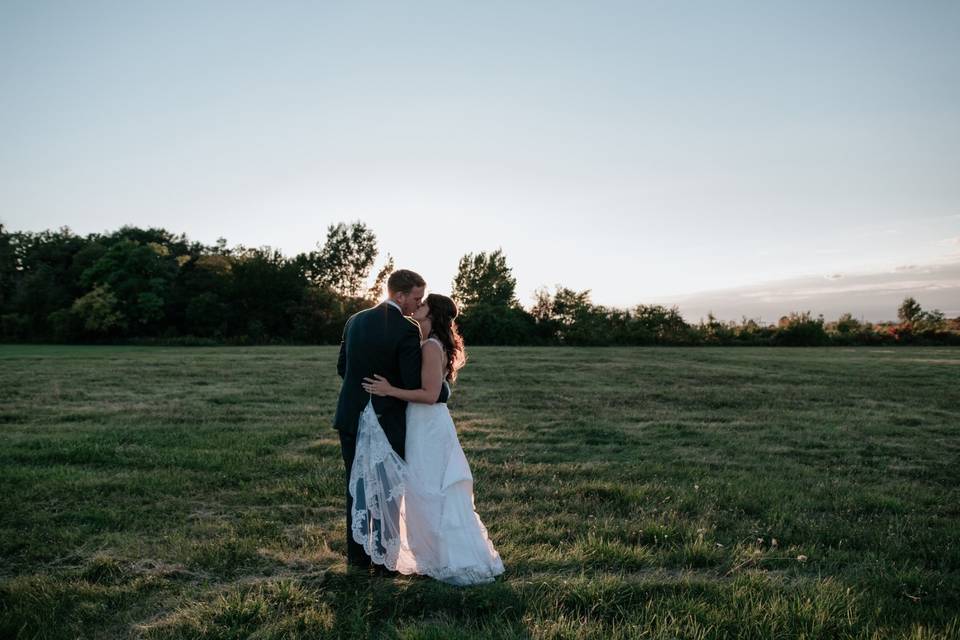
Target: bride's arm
{"x":431,"y":373}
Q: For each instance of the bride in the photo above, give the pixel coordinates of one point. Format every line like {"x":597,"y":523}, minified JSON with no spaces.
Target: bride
{"x":417,"y":515}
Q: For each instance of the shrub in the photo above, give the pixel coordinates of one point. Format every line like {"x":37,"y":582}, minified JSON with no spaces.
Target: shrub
{"x":496,"y":324}
{"x":800,"y":329}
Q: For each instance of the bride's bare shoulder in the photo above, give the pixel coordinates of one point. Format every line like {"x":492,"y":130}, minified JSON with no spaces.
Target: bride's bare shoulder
{"x":431,"y":340}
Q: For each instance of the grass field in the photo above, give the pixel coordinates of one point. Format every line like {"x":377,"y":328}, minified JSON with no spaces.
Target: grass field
{"x":632,"y":493}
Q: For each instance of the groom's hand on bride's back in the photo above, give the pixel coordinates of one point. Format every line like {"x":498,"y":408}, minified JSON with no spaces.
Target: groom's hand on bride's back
{"x":377,"y":385}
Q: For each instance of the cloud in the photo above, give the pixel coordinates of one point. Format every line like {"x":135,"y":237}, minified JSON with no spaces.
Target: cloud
{"x":857,"y":288}
{"x":872,"y":295}
{"x":950,"y":242}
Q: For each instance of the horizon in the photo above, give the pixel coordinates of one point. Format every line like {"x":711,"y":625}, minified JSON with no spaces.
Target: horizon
{"x":935,"y":286}
{"x":740,"y":160}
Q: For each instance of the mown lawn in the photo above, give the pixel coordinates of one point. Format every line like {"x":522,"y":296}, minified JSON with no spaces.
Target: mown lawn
{"x":632,"y":493}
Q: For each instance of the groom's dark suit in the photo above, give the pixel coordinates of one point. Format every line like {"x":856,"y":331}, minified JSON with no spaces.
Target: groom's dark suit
{"x":379,"y":340}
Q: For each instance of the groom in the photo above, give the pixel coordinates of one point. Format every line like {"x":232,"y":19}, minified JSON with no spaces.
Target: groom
{"x":381,"y":340}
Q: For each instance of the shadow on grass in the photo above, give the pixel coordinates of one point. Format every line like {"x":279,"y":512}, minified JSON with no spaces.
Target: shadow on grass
{"x":332,"y":603}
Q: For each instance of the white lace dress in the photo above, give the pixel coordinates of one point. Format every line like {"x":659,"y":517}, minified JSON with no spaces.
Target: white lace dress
{"x":417,"y":515}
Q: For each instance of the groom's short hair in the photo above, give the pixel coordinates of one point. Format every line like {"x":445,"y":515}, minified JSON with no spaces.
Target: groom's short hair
{"x":404,"y":280}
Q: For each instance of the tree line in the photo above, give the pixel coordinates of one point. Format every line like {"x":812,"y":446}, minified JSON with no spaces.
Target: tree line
{"x":150,"y":286}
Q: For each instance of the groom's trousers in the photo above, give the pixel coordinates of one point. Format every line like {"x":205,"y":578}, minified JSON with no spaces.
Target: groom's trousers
{"x":356,"y":555}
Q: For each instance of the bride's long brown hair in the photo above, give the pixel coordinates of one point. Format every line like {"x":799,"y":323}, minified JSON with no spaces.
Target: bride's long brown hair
{"x":443,"y":311}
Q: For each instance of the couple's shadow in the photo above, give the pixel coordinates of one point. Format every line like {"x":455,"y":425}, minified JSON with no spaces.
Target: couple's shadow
{"x":366,"y":605}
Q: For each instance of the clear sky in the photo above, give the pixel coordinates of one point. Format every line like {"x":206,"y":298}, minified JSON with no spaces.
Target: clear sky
{"x":644,"y":150}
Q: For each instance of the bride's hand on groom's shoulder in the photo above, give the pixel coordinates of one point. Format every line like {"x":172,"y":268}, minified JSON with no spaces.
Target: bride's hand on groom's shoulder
{"x":377,"y":385}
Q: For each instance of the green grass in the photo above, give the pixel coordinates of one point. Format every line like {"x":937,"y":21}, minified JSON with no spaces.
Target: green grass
{"x":632,"y":493}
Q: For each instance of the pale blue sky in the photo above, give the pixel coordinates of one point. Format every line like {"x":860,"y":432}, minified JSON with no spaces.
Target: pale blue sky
{"x":643,"y":150}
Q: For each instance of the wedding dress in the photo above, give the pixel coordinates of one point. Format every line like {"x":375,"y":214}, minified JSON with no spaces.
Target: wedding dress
{"x":418,"y":515}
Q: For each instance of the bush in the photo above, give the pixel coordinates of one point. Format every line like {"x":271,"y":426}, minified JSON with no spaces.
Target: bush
{"x":800,"y":330}
{"x":14,"y":327}
{"x":496,"y":325}
{"x":715,"y":332}
{"x":65,"y":326}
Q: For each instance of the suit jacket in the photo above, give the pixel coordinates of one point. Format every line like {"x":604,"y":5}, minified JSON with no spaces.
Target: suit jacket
{"x":378,"y":340}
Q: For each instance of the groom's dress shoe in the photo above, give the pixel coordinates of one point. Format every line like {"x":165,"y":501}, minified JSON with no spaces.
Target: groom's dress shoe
{"x":359,"y":566}
{"x":382,"y":571}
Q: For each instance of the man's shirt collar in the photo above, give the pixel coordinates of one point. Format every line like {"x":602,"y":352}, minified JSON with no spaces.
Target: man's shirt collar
{"x":392,"y":303}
